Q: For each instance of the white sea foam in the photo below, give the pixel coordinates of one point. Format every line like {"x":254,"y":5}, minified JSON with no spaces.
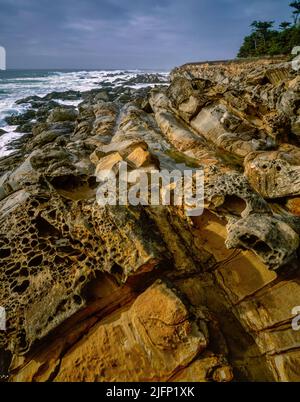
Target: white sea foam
{"x":69,"y":102}
{"x":6,"y":138}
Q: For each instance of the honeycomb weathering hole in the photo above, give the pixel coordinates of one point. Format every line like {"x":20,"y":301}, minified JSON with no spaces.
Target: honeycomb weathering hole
{"x":256,"y":244}
{"x":250,"y":240}
{"x":234,"y":203}
{"x":117,"y":271}
{"x":35,"y":261}
{"x":5,"y":252}
{"x":44,"y":228}
{"x":22,"y":287}
{"x":262,"y":247}
{"x":67,"y":182}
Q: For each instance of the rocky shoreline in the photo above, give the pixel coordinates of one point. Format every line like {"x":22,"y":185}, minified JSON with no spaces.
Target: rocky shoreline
{"x":147,"y":293}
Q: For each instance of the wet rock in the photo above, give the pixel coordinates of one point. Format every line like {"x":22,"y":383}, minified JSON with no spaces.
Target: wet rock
{"x":46,"y":137}
{"x":29,"y":99}
{"x":147,"y":79}
{"x":25,"y":128}
{"x":44,"y":109}
{"x":102,"y":96}
{"x":62,"y":114}
{"x":20,"y":142}
{"x":65,"y":95}
{"x":15,"y":120}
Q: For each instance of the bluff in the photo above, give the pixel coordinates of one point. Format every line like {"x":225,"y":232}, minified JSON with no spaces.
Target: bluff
{"x":147,"y":293}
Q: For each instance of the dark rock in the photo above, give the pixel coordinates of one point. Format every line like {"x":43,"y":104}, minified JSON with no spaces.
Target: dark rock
{"x":19,"y":119}
{"x":147,"y":79}
{"x":65,"y":95}
{"x":29,"y":99}
{"x":25,"y":128}
{"x":62,"y":114}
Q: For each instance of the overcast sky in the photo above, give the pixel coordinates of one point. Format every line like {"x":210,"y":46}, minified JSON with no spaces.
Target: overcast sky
{"x":127,"y":34}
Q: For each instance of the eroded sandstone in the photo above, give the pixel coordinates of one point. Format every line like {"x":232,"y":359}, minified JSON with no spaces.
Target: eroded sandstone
{"x":148,"y":293}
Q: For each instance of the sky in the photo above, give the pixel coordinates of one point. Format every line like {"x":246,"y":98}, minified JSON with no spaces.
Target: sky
{"x":127,"y":34}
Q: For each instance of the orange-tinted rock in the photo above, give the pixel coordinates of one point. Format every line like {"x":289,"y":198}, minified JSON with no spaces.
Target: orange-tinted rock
{"x":148,"y":342}
{"x":293,"y":205}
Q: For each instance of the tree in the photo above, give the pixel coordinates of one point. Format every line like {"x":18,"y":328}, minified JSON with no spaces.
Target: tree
{"x":264,"y":40}
{"x":249,"y":47}
{"x":260,"y":31}
{"x":284,"y":25}
{"x":262,"y":26}
{"x":296,"y":12}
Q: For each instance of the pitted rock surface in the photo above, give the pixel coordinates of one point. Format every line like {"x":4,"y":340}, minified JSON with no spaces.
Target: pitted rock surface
{"x":149,"y":293}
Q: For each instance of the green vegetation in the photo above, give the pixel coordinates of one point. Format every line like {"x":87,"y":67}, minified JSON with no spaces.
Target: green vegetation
{"x":267,"y":41}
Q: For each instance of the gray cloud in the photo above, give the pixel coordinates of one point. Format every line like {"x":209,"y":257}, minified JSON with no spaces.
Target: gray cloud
{"x":127,"y":33}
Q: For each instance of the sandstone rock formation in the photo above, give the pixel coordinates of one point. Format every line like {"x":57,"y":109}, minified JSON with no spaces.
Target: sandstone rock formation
{"x":147,"y":292}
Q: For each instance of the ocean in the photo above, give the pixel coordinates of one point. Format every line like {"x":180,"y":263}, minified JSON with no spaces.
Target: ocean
{"x":17,"y":84}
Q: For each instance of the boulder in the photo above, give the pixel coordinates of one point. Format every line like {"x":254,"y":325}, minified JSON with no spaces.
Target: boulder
{"x":273,"y":240}
{"x":107,"y":163}
{"x":139,"y":157}
{"x":19,"y":119}
{"x":275,"y":174}
{"x":62,"y":114}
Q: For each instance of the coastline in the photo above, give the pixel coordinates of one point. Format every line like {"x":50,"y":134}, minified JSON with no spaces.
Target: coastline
{"x":146,"y":293}
{"x":48,"y":83}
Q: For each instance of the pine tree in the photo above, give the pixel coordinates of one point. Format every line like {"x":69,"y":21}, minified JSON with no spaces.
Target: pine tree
{"x":284,"y":25}
{"x":296,"y":12}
